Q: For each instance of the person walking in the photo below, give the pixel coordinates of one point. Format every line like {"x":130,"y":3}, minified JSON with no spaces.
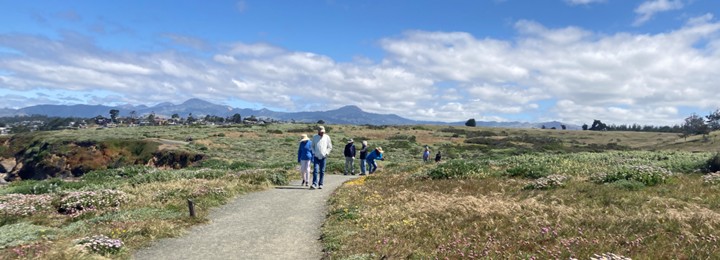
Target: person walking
{"x":438,"y":157}
{"x":363,"y":156}
{"x":305,"y":157}
{"x":349,"y":157}
{"x":321,"y":147}
{"x":426,"y":154}
{"x":376,"y":154}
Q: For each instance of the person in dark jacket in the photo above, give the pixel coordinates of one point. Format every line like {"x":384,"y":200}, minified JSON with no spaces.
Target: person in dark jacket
{"x":363,"y":156}
{"x":438,"y":157}
{"x":376,"y":154}
{"x":349,"y":157}
{"x":305,"y":157}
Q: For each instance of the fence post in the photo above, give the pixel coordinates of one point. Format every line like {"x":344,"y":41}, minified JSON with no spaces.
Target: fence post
{"x":191,"y":207}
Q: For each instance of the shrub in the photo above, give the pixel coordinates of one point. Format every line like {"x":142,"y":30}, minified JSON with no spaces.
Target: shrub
{"x":549,"y":182}
{"x":713,"y":164}
{"x":19,"y":205}
{"x":410,"y":138}
{"x":647,"y":175}
{"x":454,"y":169}
{"x":101,"y":244}
{"x":277,"y":177}
{"x":530,"y":171}
{"x":80,"y":201}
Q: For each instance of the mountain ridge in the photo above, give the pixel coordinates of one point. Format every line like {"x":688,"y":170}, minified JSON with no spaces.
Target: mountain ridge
{"x":349,"y":114}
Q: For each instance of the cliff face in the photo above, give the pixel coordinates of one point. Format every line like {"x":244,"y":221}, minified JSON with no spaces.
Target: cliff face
{"x":23,"y":158}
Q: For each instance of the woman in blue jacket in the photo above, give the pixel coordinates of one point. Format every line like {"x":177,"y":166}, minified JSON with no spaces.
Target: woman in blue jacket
{"x":305,"y":157}
{"x":376,"y":154}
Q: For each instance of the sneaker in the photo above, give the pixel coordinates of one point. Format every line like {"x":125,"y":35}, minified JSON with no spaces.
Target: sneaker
{"x":303,"y":183}
{"x":362,"y":174}
{"x":312,"y":187}
{"x":353,"y":173}
{"x":320,"y":187}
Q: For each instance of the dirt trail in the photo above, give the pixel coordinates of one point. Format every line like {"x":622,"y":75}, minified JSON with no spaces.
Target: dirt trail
{"x":280,"y":223}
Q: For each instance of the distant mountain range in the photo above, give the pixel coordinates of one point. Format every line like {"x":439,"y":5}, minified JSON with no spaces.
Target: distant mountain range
{"x":199,"y":108}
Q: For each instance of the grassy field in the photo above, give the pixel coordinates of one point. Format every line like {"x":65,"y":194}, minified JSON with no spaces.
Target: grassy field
{"x":500,"y":193}
{"x":545,"y":194}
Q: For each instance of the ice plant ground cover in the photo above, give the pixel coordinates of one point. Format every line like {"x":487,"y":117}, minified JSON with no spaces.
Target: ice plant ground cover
{"x":473,"y":205}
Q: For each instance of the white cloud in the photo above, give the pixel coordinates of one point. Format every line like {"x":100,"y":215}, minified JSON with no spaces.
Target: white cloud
{"x":649,"y":8}
{"x":450,"y":76}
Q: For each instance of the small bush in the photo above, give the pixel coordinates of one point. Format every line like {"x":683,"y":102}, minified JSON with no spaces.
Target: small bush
{"x":528,"y":171}
{"x":19,"y":205}
{"x":713,"y":164}
{"x":81,"y":201}
{"x":546,"y":183}
{"x":274,"y":131}
{"x":278,"y":177}
{"x":647,"y":175}
{"x":455,"y":169}
{"x":101,"y":244}
{"x":409,"y":138}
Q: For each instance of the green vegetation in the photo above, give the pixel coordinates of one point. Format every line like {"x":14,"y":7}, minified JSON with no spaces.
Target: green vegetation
{"x":498,"y":193}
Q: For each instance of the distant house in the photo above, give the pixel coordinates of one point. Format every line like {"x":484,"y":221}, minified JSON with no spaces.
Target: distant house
{"x":4,"y":130}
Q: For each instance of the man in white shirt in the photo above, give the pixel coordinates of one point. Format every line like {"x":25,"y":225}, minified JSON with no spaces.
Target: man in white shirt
{"x":321,"y":147}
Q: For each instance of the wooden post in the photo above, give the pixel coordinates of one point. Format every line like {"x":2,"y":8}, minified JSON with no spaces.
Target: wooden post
{"x":191,"y":207}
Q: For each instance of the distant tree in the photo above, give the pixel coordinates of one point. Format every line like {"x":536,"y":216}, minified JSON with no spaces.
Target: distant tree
{"x":553,"y":128}
{"x":542,"y":127}
{"x":695,"y":125}
{"x":713,"y":120}
{"x":151,"y":118}
{"x":471,"y":122}
{"x":133,"y":116}
{"x":584,"y":127}
{"x":564,"y":127}
{"x":113,"y":115}
{"x":236,"y":118}
{"x":598,"y":126}
{"x":190,"y":118}
{"x":175,"y":116}
{"x":321,"y":122}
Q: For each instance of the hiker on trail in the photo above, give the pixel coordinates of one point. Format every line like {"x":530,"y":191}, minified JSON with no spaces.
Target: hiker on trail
{"x":438,"y":157}
{"x":426,"y":154}
{"x":321,"y":147}
{"x":349,"y":157}
{"x":363,"y":156}
{"x":305,"y":157}
{"x":376,"y":154}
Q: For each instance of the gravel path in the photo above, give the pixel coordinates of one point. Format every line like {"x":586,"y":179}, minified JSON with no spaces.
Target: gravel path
{"x":280,"y":223}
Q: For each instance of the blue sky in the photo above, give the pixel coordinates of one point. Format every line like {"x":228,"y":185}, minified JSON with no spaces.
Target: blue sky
{"x":621,"y":61}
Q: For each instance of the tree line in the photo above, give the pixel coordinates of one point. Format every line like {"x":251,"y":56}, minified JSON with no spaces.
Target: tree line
{"x":692,"y":125}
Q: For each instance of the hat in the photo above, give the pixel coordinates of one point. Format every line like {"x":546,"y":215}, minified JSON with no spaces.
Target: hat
{"x":321,"y":129}
{"x":350,"y":141}
{"x":303,"y":137}
{"x":379,"y":149}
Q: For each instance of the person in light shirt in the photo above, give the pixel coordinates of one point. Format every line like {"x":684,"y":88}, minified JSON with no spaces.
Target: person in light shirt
{"x":321,"y":147}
